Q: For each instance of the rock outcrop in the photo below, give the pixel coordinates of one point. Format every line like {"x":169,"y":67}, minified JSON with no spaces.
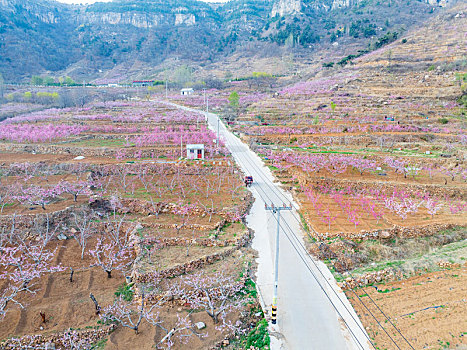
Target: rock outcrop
{"x":138,"y":20}
{"x":286,"y":7}
{"x":338,"y":4}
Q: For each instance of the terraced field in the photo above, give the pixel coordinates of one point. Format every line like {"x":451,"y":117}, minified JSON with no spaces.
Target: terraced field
{"x":375,"y":153}
{"x":102,"y":216}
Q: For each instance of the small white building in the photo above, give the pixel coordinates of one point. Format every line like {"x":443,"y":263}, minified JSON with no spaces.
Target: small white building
{"x":195,"y":151}
{"x":187,"y":91}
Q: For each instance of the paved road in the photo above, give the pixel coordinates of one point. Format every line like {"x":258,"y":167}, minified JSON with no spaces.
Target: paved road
{"x":306,"y":317}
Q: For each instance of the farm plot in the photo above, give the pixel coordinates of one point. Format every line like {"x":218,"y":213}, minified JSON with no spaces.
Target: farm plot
{"x":109,"y":235}
{"x":375,"y":155}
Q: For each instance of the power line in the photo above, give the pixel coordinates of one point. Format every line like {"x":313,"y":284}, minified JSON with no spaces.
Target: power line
{"x":327,"y":295}
{"x":299,"y":222}
{"x":382,"y":327}
{"x":259,"y":171}
{"x":276,"y":210}
{"x":320,"y":285}
{"x":340,"y":274}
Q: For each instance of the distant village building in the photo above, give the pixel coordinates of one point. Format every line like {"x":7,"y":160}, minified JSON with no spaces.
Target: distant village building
{"x":195,"y":151}
{"x":138,"y":83}
{"x":187,"y":91}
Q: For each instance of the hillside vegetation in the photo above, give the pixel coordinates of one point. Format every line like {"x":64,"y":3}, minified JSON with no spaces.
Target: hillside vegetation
{"x":44,"y":36}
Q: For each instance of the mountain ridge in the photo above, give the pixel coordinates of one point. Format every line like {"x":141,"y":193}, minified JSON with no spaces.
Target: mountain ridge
{"x":47,"y":37}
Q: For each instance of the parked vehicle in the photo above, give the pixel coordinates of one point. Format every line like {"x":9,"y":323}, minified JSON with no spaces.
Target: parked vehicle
{"x":248,"y":180}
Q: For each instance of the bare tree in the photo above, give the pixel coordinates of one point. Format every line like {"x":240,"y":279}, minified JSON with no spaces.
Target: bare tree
{"x":6,"y":193}
{"x":131,"y":314}
{"x":110,"y":257}
{"x":123,"y":176}
{"x":118,"y":234}
{"x":80,"y":97}
{"x":19,"y":267}
{"x":84,"y":223}
{"x":209,"y":210}
{"x":217,"y":294}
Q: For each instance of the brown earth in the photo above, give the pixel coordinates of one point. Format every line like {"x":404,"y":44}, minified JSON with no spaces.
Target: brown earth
{"x":67,"y":304}
{"x":429,"y":310}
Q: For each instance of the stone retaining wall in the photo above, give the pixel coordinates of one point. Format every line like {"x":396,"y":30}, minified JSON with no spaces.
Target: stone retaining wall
{"x":193,"y":264}
{"x":26,"y":221}
{"x":54,"y":341}
{"x":366,"y":139}
{"x":395,"y":231}
{"x":388,"y":188}
{"x":386,"y":275}
{"x":184,"y":242}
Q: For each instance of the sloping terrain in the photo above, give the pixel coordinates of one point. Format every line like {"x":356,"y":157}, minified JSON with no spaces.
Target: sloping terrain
{"x":374,"y":149}
{"x":46,"y":37}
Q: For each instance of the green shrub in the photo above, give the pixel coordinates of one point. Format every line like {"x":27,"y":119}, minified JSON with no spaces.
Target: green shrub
{"x":443,"y":120}
{"x":125,"y":291}
{"x":462,"y":100}
{"x":259,"y":337}
{"x":250,"y":288}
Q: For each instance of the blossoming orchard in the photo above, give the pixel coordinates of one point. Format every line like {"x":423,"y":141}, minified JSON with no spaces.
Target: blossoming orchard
{"x":102,"y":217}
{"x":255,"y":175}
{"x":377,"y":166}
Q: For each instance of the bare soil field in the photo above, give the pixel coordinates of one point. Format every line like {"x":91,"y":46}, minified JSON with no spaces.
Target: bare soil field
{"x":374,"y":152}
{"x":429,"y":309}
{"x":104,"y":223}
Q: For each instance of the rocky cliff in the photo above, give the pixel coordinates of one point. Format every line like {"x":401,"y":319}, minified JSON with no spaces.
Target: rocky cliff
{"x":39,"y":9}
{"x":338,"y":4}
{"x":138,"y":20}
{"x":37,"y":36}
{"x":286,"y":7}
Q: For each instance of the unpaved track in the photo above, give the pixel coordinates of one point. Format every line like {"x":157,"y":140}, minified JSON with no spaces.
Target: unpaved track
{"x":306,"y":317}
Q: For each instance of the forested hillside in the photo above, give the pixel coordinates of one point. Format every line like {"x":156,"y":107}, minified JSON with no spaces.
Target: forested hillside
{"x":46,"y":37}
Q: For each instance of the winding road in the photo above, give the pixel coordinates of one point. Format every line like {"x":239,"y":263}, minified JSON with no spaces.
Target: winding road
{"x":313,"y":313}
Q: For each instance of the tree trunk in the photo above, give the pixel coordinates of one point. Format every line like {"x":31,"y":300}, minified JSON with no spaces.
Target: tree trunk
{"x":109,"y":273}
{"x":98,"y":308}
{"x":214,"y":315}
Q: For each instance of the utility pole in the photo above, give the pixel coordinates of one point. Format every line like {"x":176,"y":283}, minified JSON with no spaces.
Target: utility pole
{"x":217,"y":142}
{"x":276,"y":210}
{"x":166,"y":88}
{"x":207,"y":104}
